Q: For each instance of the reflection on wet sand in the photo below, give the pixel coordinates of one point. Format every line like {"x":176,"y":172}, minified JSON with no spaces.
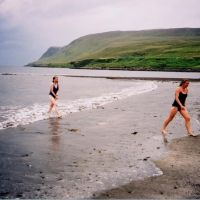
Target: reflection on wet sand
{"x":54,"y":127}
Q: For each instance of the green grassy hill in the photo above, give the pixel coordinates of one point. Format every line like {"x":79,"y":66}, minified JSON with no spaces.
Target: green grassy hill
{"x":164,"y":49}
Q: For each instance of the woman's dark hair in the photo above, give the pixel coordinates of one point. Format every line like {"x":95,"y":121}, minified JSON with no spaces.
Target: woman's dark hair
{"x":54,"y":78}
{"x":183,"y":81}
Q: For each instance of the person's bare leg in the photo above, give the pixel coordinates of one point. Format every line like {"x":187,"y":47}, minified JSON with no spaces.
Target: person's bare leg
{"x":170,"y":117}
{"x":186,"y":117}
{"x":54,"y":106}
{"x":52,"y":101}
{"x":50,"y":107}
{"x":56,"y":110}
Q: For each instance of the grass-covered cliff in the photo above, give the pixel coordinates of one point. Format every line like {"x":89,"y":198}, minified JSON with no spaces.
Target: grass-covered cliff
{"x":162,"y":49}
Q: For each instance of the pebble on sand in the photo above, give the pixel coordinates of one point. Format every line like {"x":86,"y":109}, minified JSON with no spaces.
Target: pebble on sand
{"x":134,"y":133}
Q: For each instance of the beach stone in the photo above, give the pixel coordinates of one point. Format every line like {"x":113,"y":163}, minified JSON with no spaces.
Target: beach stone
{"x":9,"y":124}
{"x":134,"y":133}
{"x":59,"y":179}
{"x":3,"y":194}
{"x":29,"y":165}
{"x":161,"y":192}
{"x":73,"y":129}
{"x":19,"y":195}
{"x":25,"y":155}
{"x":145,"y":159}
{"x":39,"y":132}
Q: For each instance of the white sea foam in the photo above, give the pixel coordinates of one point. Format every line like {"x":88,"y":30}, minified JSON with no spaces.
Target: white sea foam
{"x":12,"y":116}
{"x":198,"y":122}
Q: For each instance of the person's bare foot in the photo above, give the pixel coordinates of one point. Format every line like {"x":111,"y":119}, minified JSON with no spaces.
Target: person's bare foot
{"x":164,"y":133}
{"x":191,"y":135}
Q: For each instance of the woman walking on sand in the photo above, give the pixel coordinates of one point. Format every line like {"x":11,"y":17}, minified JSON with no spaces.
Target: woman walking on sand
{"x":179,"y":105}
{"x":53,"y":96}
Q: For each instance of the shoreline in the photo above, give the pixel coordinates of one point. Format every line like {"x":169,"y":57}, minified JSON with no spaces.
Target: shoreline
{"x":91,"y":151}
{"x":117,"y":69}
{"x":135,"y":78}
{"x":115,"y":77}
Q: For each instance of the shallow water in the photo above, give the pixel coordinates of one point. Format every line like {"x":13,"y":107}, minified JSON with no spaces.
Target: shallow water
{"x":25,"y":98}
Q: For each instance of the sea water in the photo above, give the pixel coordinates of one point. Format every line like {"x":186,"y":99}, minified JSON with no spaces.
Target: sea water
{"x":24,"y":91}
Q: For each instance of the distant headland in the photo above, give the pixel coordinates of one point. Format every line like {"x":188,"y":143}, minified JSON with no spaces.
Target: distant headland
{"x":176,"y":49}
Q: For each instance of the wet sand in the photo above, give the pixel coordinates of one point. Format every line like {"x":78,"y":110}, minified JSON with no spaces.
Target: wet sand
{"x":180,"y":179}
{"x":109,"y":152}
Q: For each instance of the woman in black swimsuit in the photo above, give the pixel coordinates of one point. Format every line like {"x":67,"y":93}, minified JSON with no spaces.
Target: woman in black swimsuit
{"x":179,"y":105}
{"x":53,"y":95}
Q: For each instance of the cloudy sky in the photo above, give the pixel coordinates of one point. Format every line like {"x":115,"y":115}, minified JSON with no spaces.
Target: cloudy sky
{"x":29,"y":27}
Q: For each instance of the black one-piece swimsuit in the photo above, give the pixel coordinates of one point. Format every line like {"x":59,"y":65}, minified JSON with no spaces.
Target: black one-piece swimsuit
{"x":182,"y":97}
{"x":55,"y":90}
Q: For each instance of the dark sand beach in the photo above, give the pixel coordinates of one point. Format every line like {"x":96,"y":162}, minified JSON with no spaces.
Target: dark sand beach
{"x":180,"y":179}
{"x":114,"y":151}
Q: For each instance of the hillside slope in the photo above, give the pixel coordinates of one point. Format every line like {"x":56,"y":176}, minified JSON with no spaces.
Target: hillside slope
{"x":162,"y":49}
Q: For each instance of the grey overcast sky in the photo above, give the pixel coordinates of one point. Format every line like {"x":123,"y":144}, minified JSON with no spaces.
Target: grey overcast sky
{"x":29,"y":27}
